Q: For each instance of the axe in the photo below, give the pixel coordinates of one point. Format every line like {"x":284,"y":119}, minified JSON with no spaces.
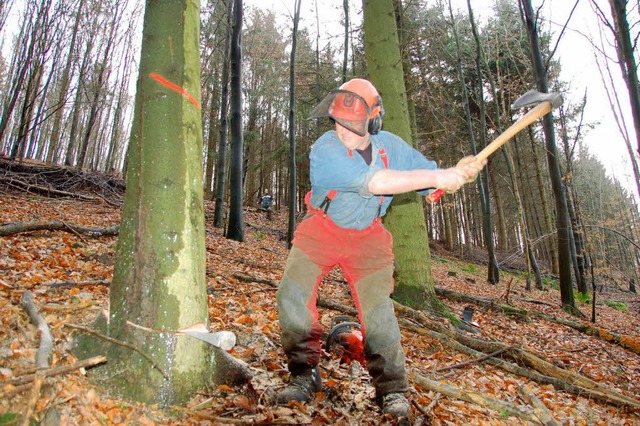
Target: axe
{"x":544,"y":102}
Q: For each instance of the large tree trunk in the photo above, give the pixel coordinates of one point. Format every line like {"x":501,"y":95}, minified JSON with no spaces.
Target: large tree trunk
{"x":159,"y":277}
{"x":405,"y":219}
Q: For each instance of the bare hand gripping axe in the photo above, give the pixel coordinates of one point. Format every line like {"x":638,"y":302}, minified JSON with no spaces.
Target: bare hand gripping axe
{"x":544,"y":102}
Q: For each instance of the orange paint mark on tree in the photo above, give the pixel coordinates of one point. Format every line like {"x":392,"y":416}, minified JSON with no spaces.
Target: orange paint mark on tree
{"x":160,"y":79}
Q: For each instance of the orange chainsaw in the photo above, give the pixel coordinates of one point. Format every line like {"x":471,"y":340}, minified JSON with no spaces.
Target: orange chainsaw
{"x":345,"y":340}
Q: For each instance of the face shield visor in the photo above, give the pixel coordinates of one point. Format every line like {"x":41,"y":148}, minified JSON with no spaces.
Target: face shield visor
{"x":349,"y":109}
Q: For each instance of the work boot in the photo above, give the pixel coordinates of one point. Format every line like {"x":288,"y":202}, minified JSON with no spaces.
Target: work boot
{"x":396,"y":405}
{"x":301,"y":387}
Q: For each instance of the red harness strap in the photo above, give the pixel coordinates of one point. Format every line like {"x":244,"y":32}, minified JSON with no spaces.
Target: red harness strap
{"x":385,"y":161}
{"x":331,"y":194}
{"x":327,"y":201}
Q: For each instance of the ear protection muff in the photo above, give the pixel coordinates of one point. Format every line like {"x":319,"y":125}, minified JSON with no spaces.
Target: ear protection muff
{"x":375,"y":123}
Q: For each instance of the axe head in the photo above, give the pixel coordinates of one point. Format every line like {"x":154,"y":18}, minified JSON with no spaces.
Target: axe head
{"x":533,"y":97}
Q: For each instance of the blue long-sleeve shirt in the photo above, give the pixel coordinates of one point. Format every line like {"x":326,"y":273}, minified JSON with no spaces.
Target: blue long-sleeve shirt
{"x":335,"y":167}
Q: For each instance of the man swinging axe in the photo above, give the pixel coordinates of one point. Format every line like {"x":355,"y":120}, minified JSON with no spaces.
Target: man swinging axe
{"x":355,"y":170}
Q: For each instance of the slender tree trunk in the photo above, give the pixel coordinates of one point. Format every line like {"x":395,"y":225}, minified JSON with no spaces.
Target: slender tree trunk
{"x":562,"y":216}
{"x":64,"y":87}
{"x":26,"y":112}
{"x":493,"y":274}
{"x":406,"y":66}
{"x":544,"y":202}
{"x":525,"y":223}
{"x":27,"y":41}
{"x":70,"y":158}
{"x":627,"y":59}
{"x":98,"y":95}
{"x":235,"y":228}
{"x":347,"y":25}
{"x":292,"y":123}
{"x":221,"y":164}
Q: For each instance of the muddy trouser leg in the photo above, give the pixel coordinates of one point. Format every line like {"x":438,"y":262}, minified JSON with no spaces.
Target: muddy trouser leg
{"x":370,"y":275}
{"x":297,"y":294}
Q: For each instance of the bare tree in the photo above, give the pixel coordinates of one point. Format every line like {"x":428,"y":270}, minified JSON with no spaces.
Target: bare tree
{"x":63,"y":86}
{"x":292,"y":126}
{"x":221,"y":164}
{"x":235,"y":227}
{"x":102,"y":72}
{"x":563,"y":224}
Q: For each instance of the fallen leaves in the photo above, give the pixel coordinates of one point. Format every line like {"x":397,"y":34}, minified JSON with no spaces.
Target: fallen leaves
{"x":36,"y":260}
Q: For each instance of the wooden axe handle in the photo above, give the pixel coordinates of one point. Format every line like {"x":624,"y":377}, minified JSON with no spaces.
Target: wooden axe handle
{"x":535,"y":113}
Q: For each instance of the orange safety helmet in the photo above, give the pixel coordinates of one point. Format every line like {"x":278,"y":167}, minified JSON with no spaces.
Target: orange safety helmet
{"x":356,"y":105}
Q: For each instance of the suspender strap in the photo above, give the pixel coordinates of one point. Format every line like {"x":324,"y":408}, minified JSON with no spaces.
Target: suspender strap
{"x":385,"y":161}
{"x":384,"y":158}
{"x":327,"y":201}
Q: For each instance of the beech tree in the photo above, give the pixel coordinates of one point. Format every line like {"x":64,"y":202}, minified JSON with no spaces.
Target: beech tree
{"x":159,"y":284}
{"x":405,"y":219}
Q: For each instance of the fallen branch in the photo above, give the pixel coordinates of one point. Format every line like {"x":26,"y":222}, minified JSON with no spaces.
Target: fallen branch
{"x":473,"y":361}
{"x":89,"y":283}
{"x":34,"y":176}
{"x":265,"y":230}
{"x":27,"y":302}
{"x":631,"y":343}
{"x":33,"y":399}
{"x":16,"y":183}
{"x":55,"y":371}
{"x":482,"y":301}
{"x":13,"y":228}
{"x":517,"y":370}
{"x":537,"y":302}
{"x":5,"y":285}
{"x":249,"y":279}
{"x":546,"y":373}
{"x":539,"y":408}
{"x":502,"y":407}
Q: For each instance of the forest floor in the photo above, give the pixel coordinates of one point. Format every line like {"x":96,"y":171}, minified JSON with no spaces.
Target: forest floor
{"x":69,"y":274}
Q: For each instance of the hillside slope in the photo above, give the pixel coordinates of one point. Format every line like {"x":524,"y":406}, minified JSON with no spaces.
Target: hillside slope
{"x":69,"y":275}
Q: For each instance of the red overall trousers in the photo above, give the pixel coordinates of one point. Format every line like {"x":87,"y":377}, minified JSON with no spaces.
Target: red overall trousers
{"x":366,"y":259}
